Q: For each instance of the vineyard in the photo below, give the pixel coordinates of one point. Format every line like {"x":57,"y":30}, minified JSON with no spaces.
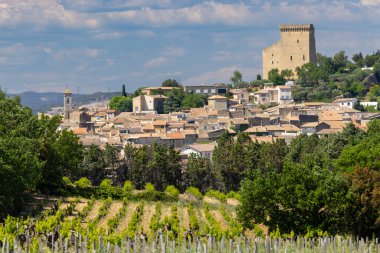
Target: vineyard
{"x":106,"y":225}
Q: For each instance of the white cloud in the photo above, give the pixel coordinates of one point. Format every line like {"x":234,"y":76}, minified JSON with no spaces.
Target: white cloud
{"x":370,"y":2}
{"x":43,"y":13}
{"x":207,"y":12}
{"x":220,"y":75}
{"x":174,"y":52}
{"x":92,"y":53}
{"x":108,"y":35}
{"x":155,"y":62}
{"x":146,"y":33}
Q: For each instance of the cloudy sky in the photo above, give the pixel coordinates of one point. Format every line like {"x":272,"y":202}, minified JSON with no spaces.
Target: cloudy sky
{"x":97,"y":45}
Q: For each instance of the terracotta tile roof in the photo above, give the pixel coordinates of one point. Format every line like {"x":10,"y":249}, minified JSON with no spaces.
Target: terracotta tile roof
{"x":290,"y":128}
{"x":119,"y":120}
{"x":175,"y":136}
{"x":239,"y":121}
{"x":274,"y":128}
{"x":336,"y":124}
{"x":208,"y":147}
{"x":217,"y":97}
{"x":159,"y":123}
{"x":148,"y":127}
{"x":256,"y":129}
{"x":263,"y":139}
{"x":329,"y":116}
{"x":80,"y":131}
{"x":329,"y":131}
{"x":310,"y":124}
{"x":342,"y":100}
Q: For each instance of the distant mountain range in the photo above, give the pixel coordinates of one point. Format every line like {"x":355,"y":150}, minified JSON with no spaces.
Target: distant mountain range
{"x":43,"y":102}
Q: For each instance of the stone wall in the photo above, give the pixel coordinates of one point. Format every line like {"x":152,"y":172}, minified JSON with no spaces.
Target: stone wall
{"x":296,"y":47}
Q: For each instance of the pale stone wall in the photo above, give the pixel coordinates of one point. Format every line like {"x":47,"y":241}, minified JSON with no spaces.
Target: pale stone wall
{"x":296,"y":47}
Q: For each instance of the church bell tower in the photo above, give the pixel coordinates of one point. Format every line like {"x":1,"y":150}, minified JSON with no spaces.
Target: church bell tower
{"x":67,"y":103}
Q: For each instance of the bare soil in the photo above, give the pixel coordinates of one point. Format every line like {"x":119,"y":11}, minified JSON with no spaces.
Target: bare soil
{"x":149,"y":211}
{"x":112,"y":211}
{"x":186,"y":219}
{"x":124,"y":222}
{"x":233,"y":202}
{"x":94,"y":211}
{"x":81,"y":205}
{"x":211,"y":201}
{"x":165,"y":211}
{"x":219,"y":218}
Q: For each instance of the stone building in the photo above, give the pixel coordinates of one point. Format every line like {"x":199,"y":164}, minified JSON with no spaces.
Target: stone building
{"x":149,"y":104}
{"x":296,"y":47}
{"x":67,"y":104}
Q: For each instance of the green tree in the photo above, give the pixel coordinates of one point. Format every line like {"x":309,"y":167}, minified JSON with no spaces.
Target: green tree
{"x":193,"y":101}
{"x":170,"y":83}
{"x":297,"y":199}
{"x":358,"y":59}
{"x":326,"y":64}
{"x":200,"y":173}
{"x":364,"y":154}
{"x":275,"y":77}
{"x":121,"y":103}
{"x":340,"y":61}
{"x":70,"y":155}
{"x":364,"y":211}
{"x":287,"y":74}
{"x":309,"y":74}
{"x":19,"y":171}
{"x":94,"y":164}
{"x":174,"y":101}
{"x":258,"y":77}
{"x":376,"y":69}
{"x":236,"y":78}
{"x":123,"y":92}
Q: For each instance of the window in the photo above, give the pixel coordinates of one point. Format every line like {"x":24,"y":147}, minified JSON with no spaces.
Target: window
{"x":205,"y":91}
{"x":197,"y":91}
{"x":213,"y":91}
{"x":291,"y":58}
{"x":303,"y":57}
{"x":272,"y":62}
{"x":298,"y":41}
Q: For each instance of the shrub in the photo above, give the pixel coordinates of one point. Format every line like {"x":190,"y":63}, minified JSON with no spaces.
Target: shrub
{"x":171,"y":191}
{"x":233,"y":195}
{"x":107,"y":190}
{"x":195,"y":192}
{"x":83,"y":183}
{"x":149,"y":187}
{"x":67,"y":181}
{"x":217,"y":194}
{"x":128,"y":188}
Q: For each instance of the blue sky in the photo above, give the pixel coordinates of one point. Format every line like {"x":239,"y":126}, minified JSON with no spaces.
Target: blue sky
{"x":97,"y":45}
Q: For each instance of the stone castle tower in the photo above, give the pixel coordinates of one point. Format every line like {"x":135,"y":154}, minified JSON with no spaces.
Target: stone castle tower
{"x":296,"y":47}
{"x":67,"y":104}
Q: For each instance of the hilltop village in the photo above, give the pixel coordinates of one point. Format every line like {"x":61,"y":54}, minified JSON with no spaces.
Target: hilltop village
{"x":196,"y":130}
{"x":265,"y":112}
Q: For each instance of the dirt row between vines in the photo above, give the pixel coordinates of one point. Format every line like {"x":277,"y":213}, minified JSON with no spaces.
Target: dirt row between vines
{"x":149,"y":211}
{"x":113,"y":209}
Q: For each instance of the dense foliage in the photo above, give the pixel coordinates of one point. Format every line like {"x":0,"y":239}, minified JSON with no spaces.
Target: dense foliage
{"x":319,"y":185}
{"x":338,"y":76}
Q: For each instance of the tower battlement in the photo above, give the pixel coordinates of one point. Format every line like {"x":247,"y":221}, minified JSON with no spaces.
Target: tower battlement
{"x":297,"y":28}
{"x":295,"y":48}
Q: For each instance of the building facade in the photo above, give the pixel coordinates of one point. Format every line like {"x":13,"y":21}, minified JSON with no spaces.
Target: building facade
{"x":296,"y":47}
{"x":281,"y":95}
{"x":215,"y":89}
{"x":149,"y":104}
